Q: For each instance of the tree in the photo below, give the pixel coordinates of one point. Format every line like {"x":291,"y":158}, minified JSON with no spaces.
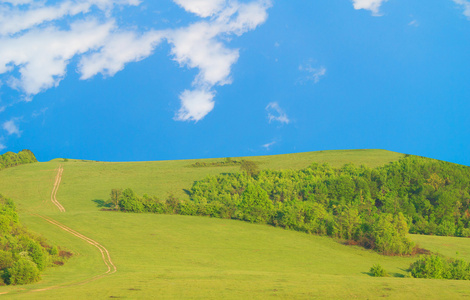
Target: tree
{"x":114,"y":197}
{"x":256,"y":207}
{"x":389,"y":234}
{"x":249,"y":167}
{"x":22,"y":272}
{"x":129,"y":202}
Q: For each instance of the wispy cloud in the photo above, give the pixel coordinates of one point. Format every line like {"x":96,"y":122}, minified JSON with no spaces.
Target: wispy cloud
{"x":11,"y":127}
{"x":269,"y":145}
{"x":465,"y":5}
{"x":40,"y":112}
{"x":414,"y":23}
{"x":2,"y":109}
{"x":372,"y":5}
{"x":275,"y":113}
{"x":312,"y":73}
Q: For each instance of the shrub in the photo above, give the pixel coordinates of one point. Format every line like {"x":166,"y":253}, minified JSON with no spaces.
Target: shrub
{"x":6,"y":260}
{"x":389,"y":234}
{"x":37,"y":255}
{"x":22,"y":272}
{"x":129,"y":202}
{"x":437,"y":267}
{"x":255,"y":207}
{"x":378,"y":271}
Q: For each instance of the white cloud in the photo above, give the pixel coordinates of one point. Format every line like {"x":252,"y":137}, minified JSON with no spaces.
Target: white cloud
{"x":38,"y":40}
{"x":200,"y":46}
{"x":275,"y":113}
{"x":118,"y":49}
{"x":372,"y":5}
{"x":42,"y":55}
{"x":269,"y":145}
{"x":2,"y":109}
{"x":313,"y":74}
{"x":202,"y":8}
{"x":195,"y":105}
{"x":414,"y":23}
{"x":465,"y":5}
{"x":2,"y":146}
{"x":14,"y":19}
{"x":11,"y":128}
{"x":34,"y":43}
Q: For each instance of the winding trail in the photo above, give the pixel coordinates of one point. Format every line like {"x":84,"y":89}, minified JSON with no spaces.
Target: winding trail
{"x":104,"y":252}
{"x":58,"y":179}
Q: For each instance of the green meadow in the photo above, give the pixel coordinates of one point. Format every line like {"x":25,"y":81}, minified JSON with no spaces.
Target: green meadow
{"x":165,"y":256}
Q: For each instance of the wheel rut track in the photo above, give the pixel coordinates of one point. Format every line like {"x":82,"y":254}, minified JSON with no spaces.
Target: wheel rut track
{"x":58,"y":179}
{"x":104,"y":252}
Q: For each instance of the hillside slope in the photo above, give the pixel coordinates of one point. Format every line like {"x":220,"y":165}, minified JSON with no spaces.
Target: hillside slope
{"x":177,"y":256}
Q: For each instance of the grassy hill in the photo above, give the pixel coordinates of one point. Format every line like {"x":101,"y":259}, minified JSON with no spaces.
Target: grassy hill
{"x":178,"y":256}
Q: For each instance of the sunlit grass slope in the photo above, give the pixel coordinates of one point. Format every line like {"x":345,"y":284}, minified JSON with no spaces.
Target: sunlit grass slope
{"x":161,"y":256}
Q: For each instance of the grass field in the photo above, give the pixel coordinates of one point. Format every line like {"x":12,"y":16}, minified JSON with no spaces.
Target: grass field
{"x":161,"y":256}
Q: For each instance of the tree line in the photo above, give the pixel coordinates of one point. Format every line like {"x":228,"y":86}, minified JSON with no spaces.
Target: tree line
{"x":373,"y":207}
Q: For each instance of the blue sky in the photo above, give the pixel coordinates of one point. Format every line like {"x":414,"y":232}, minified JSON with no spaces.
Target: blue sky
{"x":131,"y":80}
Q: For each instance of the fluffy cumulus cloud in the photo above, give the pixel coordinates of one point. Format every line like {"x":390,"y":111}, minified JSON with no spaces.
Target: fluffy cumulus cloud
{"x":465,"y":5}
{"x":276,"y":114}
{"x":35,"y":45}
{"x":201,"y":45}
{"x":38,"y":40}
{"x":372,"y":5}
{"x":11,"y":127}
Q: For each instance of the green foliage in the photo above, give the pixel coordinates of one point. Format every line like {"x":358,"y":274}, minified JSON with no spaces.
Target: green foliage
{"x":22,"y":254}
{"x":378,"y":271}
{"x":38,"y":255}
{"x":249,"y":167}
{"x":115,"y":196}
{"x":23,"y":271}
{"x":10,"y":159}
{"x":389,"y":235}
{"x":227,"y":162}
{"x":437,"y":267}
{"x":255,"y":205}
{"x":375,"y":208}
{"x":129,"y":202}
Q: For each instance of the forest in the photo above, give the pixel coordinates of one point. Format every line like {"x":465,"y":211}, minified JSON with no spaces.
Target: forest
{"x":374,"y":208}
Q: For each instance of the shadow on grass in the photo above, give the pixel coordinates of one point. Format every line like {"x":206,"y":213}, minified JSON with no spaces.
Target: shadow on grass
{"x":102,"y":204}
{"x":395,"y":275}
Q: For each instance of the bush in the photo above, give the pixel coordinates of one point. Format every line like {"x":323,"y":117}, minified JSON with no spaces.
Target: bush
{"x":22,"y":272}
{"x":37,"y":255}
{"x":255,"y":207}
{"x":129,"y":202}
{"x":437,"y":267}
{"x":378,"y":271}
{"x":389,"y":234}
{"x":6,"y":260}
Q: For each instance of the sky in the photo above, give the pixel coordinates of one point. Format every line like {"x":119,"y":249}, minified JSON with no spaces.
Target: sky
{"x":140,"y":80}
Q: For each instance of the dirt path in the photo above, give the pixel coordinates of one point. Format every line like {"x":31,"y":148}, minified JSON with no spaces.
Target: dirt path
{"x":58,"y":178}
{"x":104,"y":252}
